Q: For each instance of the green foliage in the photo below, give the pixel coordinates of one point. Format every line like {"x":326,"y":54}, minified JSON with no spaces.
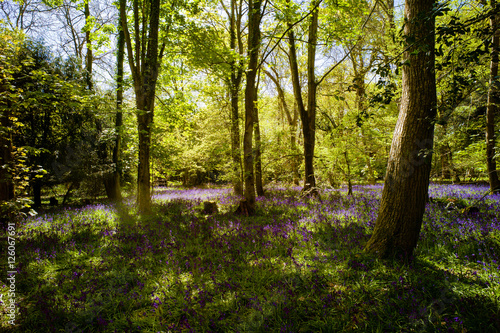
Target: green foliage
{"x":59,"y":131}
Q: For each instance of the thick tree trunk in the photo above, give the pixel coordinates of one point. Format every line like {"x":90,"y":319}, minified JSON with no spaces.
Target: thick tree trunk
{"x":250,"y":97}
{"x":493,"y":101}
{"x":144,"y":66}
{"x":406,"y":185}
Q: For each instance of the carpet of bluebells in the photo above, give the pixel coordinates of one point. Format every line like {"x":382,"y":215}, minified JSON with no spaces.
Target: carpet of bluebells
{"x":297,"y":266}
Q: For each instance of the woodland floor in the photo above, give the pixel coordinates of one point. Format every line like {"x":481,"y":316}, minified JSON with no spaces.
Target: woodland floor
{"x":297,"y":266}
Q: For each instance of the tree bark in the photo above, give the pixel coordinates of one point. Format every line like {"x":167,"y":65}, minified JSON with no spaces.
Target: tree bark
{"x":250,"y":97}
{"x":89,"y":59}
{"x":144,"y":66}
{"x":307,"y":116}
{"x":114,"y":184}
{"x":6,"y":183}
{"x":406,"y":185}
{"x":235,"y":83}
{"x":493,"y":100}
{"x":37,"y":193}
{"x":310,"y":130}
{"x":348,"y":173}
{"x":258,"y":152}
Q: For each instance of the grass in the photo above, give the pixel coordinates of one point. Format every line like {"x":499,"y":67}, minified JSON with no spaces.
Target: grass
{"x":297,"y":266}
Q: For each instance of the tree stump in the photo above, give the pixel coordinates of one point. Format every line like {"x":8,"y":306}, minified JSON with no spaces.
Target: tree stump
{"x":210,"y":207}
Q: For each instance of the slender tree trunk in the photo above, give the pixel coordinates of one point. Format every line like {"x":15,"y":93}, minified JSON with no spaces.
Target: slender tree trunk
{"x":258,"y":153}
{"x":6,"y":158}
{"x":89,"y":59}
{"x":307,"y":116}
{"x":236,"y":75}
{"x":295,"y":151}
{"x":445,"y":162}
{"x":37,"y":193}
{"x":369,"y":154}
{"x":115,"y":193}
{"x":248,"y":207}
{"x":236,"y":146}
{"x":397,"y":228}
{"x":6,"y":154}
{"x":348,"y":174}
{"x":310,"y":129}
{"x":493,"y":101}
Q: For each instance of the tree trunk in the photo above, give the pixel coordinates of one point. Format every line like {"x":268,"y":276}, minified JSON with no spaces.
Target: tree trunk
{"x":145,"y":105}
{"x":493,"y":100}
{"x":406,"y":185}
{"x":115,"y":193}
{"x":369,"y":154}
{"x":236,"y":75}
{"x":89,"y":57}
{"x":250,"y":97}
{"x":144,"y":66}
{"x":258,"y":153}
{"x":348,"y":174}
{"x":307,"y":116}
{"x":6,"y":184}
{"x":310,"y":130}
{"x":37,"y":193}
{"x":445,"y":162}
{"x":235,"y":140}
{"x":295,"y":151}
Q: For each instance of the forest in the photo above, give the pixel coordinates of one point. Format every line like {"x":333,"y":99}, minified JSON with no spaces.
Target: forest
{"x":249,"y":166}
